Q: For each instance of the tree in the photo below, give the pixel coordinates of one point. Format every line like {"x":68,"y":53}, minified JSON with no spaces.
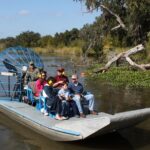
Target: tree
{"x":46,"y":41}
{"x":28,"y":39}
{"x":131,"y":16}
{"x":9,"y":42}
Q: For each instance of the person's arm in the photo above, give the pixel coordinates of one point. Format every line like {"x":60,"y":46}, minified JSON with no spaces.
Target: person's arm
{"x":57,"y":83}
{"x":61,"y":94}
{"x":67,"y":96}
{"x":81,"y":89}
{"x":26,"y":78}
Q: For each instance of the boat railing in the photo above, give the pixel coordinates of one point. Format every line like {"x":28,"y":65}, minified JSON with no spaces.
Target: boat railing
{"x":10,"y":86}
{"x":40,"y":101}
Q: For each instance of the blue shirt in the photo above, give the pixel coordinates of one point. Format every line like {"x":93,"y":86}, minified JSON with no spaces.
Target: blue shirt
{"x":75,"y":88}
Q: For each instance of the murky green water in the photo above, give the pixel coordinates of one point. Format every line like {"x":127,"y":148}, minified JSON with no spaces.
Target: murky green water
{"x":14,"y":136}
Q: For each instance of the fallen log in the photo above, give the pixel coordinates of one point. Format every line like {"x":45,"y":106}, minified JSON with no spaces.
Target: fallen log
{"x":125,"y":55}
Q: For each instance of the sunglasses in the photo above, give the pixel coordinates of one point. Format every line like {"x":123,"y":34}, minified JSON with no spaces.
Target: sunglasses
{"x":43,"y":75}
{"x":74,"y":78}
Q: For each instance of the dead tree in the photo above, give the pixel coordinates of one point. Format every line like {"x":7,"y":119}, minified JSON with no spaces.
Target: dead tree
{"x":118,"y":19}
{"x":126,"y":55}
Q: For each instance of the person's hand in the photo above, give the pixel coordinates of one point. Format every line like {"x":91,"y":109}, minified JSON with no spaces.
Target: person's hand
{"x":60,"y":82}
{"x":78,"y":95}
{"x":68,"y":98}
{"x":62,"y":95}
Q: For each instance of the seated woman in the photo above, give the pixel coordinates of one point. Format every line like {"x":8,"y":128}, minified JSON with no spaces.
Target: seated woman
{"x":67,"y":102}
{"x":34,"y":88}
{"x":60,"y":78}
{"x":39,"y":84}
{"x":53,"y":103}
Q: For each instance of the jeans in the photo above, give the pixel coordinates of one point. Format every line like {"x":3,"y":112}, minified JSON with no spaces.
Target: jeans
{"x":88,"y":97}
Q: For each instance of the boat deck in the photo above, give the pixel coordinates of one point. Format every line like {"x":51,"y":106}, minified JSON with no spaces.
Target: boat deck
{"x":73,"y":126}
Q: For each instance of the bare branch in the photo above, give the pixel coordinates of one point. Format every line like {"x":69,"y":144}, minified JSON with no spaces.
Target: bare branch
{"x":115,"y":28}
{"x":132,"y":63}
{"x":126,"y":55}
{"x":121,"y":24}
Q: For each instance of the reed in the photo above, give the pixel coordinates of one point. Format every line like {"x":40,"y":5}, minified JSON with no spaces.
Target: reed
{"x":61,"y":50}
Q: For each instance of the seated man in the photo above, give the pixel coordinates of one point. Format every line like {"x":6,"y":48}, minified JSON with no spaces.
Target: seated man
{"x":31,"y":74}
{"x":76,"y":89}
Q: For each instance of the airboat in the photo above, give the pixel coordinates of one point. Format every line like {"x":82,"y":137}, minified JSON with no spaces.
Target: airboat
{"x":73,"y":129}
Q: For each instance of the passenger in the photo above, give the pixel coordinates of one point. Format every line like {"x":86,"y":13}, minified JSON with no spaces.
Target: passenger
{"x":67,"y":102}
{"x":32,"y":73}
{"x":76,"y":89}
{"x":53,"y":103}
{"x":49,"y":94}
{"x":39,"y":84}
{"x":60,"y":78}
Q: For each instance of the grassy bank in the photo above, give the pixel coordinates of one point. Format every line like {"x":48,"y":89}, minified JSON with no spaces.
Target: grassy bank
{"x":61,"y":51}
{"x":124,"y":77}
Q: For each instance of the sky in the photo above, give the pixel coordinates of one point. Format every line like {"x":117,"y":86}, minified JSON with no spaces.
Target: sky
{"x":43,"y":16}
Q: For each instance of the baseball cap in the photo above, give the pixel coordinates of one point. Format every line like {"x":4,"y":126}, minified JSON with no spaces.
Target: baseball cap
{"x":31,"y":63}
{"x":61,"y":69}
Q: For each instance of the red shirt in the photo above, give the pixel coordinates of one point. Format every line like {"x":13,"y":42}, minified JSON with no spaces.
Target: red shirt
{"x":61,"y":78}
{"x":39,"y":85}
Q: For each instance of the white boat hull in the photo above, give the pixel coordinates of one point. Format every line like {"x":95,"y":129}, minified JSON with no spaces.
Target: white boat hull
{"x":74,"y":128}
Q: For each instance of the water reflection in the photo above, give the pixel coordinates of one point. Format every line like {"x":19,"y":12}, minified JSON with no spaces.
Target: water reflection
{"x":113,"y":99}
{"x":23,"y":138}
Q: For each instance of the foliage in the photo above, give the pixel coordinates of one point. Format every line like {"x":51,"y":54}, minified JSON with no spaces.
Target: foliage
{"x":133,"y":13}
{"x":28,"y":39}
{"x":46,"y":41}
{"x":97,"y":37}
{"x":92,"y":37}
{"x":125,"y":77}
{"x":32,"y":39}
{"x":66,"y":38}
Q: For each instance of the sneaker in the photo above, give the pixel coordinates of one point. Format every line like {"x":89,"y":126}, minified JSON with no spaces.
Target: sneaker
{"x":64,"y":118}
{"x":45,"y":113}
{"x":42,"y":110}
{"x":93,"y":113}
{"x":82,"y":115}
{"x":58,"y":117}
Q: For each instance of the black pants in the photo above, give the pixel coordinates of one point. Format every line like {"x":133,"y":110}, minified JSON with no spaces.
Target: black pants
{"x":54,"y":105}
{"x":72,"y":108}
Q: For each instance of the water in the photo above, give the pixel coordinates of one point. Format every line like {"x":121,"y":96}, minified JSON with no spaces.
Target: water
{"x":14,"y":136}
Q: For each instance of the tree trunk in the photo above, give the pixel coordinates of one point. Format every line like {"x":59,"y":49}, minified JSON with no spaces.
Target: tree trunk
{"x":126,"y":55}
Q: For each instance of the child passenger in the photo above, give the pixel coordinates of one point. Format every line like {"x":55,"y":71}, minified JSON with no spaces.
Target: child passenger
{"x":53,"y":103}
{"x":67,"y":102}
